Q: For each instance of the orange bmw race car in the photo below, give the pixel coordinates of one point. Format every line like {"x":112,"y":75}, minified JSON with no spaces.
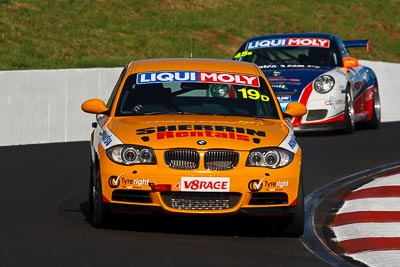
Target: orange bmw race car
{"x":195,"y":136}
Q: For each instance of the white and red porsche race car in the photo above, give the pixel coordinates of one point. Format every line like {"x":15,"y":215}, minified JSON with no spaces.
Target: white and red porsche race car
{"x":317,"y":70}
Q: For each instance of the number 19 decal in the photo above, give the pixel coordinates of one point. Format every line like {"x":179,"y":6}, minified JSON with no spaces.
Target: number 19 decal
{"x":253,"y":94}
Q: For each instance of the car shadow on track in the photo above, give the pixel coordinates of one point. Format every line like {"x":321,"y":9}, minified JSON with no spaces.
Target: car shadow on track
{"x":239,"y":225}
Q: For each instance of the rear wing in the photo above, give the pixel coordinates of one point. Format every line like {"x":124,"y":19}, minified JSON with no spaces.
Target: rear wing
{"x":358,"y":43}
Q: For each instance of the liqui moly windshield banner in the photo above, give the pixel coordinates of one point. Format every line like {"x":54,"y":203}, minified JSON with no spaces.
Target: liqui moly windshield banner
{"x":315,"y":42}
{"x":198,"y":76}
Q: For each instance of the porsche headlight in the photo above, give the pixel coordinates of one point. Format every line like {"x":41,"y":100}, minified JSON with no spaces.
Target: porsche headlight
{"x":324,"y":83}
{"x":219,"y":90}
{"x":269,"y":157}
{"x":130,"y":155}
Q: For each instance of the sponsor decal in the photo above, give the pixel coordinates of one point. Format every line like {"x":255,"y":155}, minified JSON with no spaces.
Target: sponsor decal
{"x":198,"y":76}
{"x":205,"y":184}
{"x":273,"y":186}
{"x":284,"y":98}
{"x":279,"y":86}
{"x":116,"y":181}
{"x":292,"y":142}
{"x":256,"y":185}
{"x":287,"y":66}
{"x":284,"y":80}
{"x":315,"y":42}
{"x":197,"y":130}
{"x":332,"y":102}
{"x":134,"y":183}
{"x":108,"y":139}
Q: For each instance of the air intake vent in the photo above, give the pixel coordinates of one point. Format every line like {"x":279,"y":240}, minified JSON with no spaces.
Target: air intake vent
{"x":319,"y":114}
{"x":273,"y":198}
{"x":200,"y":201}
{"x":131,"y":196}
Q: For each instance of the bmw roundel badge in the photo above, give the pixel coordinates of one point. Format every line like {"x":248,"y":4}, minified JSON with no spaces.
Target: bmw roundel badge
{"x":201,"y":142}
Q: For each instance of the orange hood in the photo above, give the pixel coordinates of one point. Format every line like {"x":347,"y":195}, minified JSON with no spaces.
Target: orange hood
{"x":203,"y":132}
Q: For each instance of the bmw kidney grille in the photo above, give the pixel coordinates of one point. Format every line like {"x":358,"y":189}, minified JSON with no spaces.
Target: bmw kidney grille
{"x":189,"y":159}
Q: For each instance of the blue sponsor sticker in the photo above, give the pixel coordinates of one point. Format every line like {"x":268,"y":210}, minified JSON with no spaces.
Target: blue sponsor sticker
{"x":292,"y":142}
{"x":284,"y":98}
{"x":106,"y":138}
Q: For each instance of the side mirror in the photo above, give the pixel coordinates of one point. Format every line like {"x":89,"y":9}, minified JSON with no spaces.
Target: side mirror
{"x":295,"y":109}
{"x":95,"y":106}
{"x":350,"y":62}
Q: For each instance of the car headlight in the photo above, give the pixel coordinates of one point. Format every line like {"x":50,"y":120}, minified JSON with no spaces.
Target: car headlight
{"x":131,"y":154}
{"x":323,"y":84}
{"x":269,"y":157}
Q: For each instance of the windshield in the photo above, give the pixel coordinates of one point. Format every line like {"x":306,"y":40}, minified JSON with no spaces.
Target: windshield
{"x":280,"y":53}
{"x":158,"y":93}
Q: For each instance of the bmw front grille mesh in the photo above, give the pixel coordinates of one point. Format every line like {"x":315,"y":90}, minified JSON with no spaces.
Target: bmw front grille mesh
{"x":220,"y":160}
{"x":189,"y":159}
{"x":183,"y":159}
{"x":200,"y":201}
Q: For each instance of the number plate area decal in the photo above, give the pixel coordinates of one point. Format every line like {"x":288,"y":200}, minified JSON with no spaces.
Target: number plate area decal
{"x":205,"y":184}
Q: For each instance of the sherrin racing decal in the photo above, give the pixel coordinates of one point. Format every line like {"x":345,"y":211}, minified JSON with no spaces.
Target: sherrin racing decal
{"x":315,"y":42}
{"x":198,"y":76}
{"x":199,"y":130}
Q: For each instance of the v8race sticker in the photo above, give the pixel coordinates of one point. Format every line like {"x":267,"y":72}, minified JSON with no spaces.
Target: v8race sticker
{"x":205,"y":184}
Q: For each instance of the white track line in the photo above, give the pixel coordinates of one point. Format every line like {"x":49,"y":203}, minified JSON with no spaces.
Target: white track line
{"x":384,"y":181}
{"x":388,"y":258}
{"x":371,"y":204}
{"x":366,"y":230}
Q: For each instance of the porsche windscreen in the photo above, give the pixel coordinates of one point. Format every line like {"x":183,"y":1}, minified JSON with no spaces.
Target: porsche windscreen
{"x":290,"y":52}
{"x":196,"y":92}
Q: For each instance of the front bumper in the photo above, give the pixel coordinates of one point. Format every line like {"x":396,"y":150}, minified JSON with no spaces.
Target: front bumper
{"x":323,"y":127}
{"x":251,"y":190}
{"x":247,"y":211}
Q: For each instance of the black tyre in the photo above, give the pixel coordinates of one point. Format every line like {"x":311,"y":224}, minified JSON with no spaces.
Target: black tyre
{"x":98,"y":216}
{"x":349,"y":122}
{"x":376,"y":110}
{"x":294,"y":225}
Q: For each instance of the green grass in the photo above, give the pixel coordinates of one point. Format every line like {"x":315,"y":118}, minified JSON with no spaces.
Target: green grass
{"x":53,"y":34}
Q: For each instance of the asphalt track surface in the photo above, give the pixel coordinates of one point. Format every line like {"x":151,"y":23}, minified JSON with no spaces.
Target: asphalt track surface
{"x":43,"y":190}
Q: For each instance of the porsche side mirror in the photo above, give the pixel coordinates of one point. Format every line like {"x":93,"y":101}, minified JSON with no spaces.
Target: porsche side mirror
{"x":95,"y":106}
{"x":350,"y":62}
{"x":295,"y":109}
